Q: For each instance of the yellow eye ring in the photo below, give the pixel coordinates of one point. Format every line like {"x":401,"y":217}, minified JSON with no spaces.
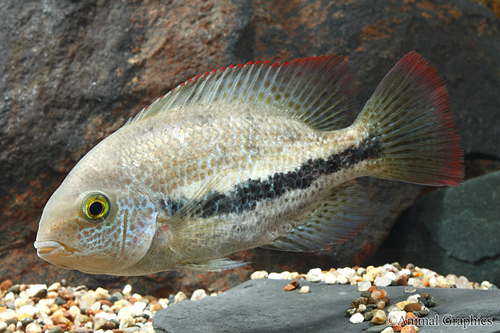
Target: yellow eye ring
{"x":96,"y":207}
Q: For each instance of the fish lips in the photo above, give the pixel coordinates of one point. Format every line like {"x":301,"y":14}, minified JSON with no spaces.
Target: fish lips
{"x":51,"y":249}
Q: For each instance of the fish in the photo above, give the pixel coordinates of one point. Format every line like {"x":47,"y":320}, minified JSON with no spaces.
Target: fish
{"x":255,"y":155}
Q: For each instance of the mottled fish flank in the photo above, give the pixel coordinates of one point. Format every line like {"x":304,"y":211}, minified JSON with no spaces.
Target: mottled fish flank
{"x":248,"y":156}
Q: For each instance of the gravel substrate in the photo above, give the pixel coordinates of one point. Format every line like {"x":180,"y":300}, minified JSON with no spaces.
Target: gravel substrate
{"x":57,"y":308}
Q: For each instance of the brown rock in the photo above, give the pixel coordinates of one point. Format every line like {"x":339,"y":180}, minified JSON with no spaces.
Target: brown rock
{"x":6,"y":284}
{"x":105,"y":302}
{"x":408,"y":329}
{"x":412,"y":307}
{"x":402,"y":280}
{"x":65,"y":294}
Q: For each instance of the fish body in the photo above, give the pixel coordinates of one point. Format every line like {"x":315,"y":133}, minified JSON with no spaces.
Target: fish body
{"x":244,"y":157}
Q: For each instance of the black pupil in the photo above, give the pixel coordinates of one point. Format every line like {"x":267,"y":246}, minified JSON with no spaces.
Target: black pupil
{"x":96,"y":208}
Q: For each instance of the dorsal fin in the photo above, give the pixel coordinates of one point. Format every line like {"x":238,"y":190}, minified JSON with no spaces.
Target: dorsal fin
{"x":318,"y":90}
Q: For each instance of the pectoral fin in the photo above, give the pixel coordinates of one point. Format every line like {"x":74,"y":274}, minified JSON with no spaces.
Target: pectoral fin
{"x":213,"y":265}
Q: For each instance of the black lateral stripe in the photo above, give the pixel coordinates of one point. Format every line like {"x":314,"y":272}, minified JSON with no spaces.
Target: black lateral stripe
{"x":248,"y":193}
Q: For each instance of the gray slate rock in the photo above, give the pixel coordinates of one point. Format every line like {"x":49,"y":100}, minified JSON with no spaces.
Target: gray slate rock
{"x":264,"y":306}
{"x":453,"y":230}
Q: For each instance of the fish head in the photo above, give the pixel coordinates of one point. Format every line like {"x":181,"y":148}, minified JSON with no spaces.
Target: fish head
{"x":96,"y":221}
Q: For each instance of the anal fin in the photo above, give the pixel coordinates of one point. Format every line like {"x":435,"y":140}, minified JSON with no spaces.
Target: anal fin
{"x":343,"y":213}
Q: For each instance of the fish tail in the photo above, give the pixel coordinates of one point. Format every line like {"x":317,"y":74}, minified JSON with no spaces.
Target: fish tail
{"x":408,"y":121}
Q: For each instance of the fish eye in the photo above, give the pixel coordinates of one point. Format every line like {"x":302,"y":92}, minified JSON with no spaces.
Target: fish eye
{"x":96,"y":207}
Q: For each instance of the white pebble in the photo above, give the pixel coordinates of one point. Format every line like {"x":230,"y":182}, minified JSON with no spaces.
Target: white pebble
{"x":388,"y":330}
{"x":413,"y":298}
{"x":125,"y":318}
{"x":342,"y":279}
{"x":486,"y":285}
{"x":127,"y":290}
{"x":404,"y":271}
{"x":10,"y":297}
{"x":362,"y":307}
{"x":163,"y":302}
{"x":314,"y":275}
{"x":304,"y":289}
{"x":433,"y":282}
{"x":347,"y":272}
{"x":382,"y":281}
{"x":396,"y":317}
{"x":30,"y":310}
{"x":7,"y":314}
{"x":95,"y":307}
{"x":137,"y":308}
{"x":74,"y":311}
{"x":364,"y":285}
{"x":3,"y":326}
{"x":33,"y":328}
{"x":390,"y":275}
{"x":275,"y":276}
{"x":389,"y":268}
{"x":43,"y":309}
{"x":198,"y":294}
{"x":415,"y":283}
{"x":330,"y":279}
{"x":356,"y":318}
{"x":34,"y":289}
{"x":259,"y":275}
{"x":463,"y":283}
{"x":105,"y":315}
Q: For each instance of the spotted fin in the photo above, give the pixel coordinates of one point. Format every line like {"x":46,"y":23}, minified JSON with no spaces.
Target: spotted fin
{"x":213,"y":265}
{"x":408,"y":117}
{"x":317,"y":90}
{"x":344,"y":212}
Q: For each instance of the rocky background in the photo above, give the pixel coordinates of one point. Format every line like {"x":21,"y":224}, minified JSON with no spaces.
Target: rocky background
{"x":72,"y":72}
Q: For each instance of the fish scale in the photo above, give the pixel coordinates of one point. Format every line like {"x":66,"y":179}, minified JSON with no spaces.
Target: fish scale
{"x":248,"y":156}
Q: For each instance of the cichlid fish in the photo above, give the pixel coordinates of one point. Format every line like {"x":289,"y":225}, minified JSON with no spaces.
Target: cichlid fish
{"x":248,"y":156}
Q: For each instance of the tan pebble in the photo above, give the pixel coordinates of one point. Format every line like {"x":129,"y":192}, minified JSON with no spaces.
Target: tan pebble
{"x":378,"y":293}
{"x":47,"y":326}
{"x":304,"y":290}
{"x":180,"y":296}
{"x":101,"y":293}
{"x":408,"y":329}
{"x":259,"y":275}
{"x":380,"y":304}
{"x":54,"y":287}
{"x":137,"y":296}
{"x":401,"y":305}
{"x":379,"y":317}
{"x":425,"y":281}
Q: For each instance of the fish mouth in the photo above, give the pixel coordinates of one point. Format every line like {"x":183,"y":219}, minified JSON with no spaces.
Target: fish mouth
{"x":47,"y":249}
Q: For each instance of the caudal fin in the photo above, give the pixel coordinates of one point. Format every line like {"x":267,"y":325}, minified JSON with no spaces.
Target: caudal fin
{"x":408,"y":118}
